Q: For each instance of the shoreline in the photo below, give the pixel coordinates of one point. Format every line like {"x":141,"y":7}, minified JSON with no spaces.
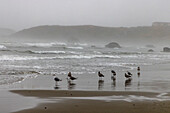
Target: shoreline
{"x":77,"y":93}
{"x":147,"y":93}
{"x":67,"y":102}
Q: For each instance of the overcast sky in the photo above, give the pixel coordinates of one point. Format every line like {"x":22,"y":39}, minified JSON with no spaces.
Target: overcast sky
{"x":20,"y":14}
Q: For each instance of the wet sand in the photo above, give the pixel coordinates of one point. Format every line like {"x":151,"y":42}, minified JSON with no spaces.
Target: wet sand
{"x":71,"y":105}
{"x":94,"y":94}
{"x":152,"y":79}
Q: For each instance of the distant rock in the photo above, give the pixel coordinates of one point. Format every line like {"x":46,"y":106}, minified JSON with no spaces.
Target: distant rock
{"x":150,"y":50}
{"x":113,"y":45}
{"x":166,"y":49}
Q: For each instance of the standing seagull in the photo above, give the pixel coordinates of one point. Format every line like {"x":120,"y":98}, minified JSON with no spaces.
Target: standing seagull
{"x":69,"y":74}
{"x":113,"y":72}
{"x":128,"y":76}
{"x":113,"y":77}
{"x":56,"y":84}
{"x":100,"y":74}
{"x":57,"y":79}
{"x":71,"y":77}
{"x":129,"y":73}
{"x":138,"y":68}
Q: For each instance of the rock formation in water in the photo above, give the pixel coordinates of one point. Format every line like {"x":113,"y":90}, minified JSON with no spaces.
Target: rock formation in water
{"x":150,"y":50}
{"x":113,"y":45}
{"x":166,"y":49}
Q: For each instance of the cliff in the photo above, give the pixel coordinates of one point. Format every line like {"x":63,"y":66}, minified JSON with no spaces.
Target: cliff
{"x":97,"y":34}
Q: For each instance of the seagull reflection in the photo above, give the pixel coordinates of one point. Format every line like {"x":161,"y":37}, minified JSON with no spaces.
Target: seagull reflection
{"x":113,"y":78}
{"x":138,"y":85}
{"x":56,"y":87}
{"x":100,"y":84}
{"x":128,"y":82}
{"x":71,"y":85}
{"x":138,"y":74}
{"x":113,"y":84}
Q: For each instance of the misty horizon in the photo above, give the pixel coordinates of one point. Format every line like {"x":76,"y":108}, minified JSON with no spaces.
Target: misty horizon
{"x":22,"y":14}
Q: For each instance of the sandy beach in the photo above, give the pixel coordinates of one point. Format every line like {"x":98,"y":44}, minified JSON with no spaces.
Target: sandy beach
{"x":58,"y":103}
{"x":145,"y":93}
{"x":85,"y":56}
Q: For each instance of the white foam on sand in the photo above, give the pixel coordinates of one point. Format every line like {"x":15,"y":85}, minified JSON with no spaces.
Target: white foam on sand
{"x":128,"y":98}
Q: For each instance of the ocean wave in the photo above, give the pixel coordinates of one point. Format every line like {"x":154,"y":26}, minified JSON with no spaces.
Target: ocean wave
{"x":81,"y":44}
{"x":106,"y":56}
{"x":2,"y":47}
{"x":60,"y":43}
{"x":8,"y":79}
{"x":18,"y":58}
{"x":48,"y":52}
{"x":74,"y":47}
{"x":29,"y":44}
{"x":16,"y":72}
{"x":97,"y":52}
{"x":87,"y":56}
{"x":121,"y":53}
{"x":74,"y":57}
{"x":45,"y":44}
{"x":23,"y":66}
{"x":40,"y":44}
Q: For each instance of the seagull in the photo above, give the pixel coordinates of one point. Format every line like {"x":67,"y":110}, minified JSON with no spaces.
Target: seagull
{"x":100,"y":74}
{"x":73,"y":78}
{"x":113,"y":72}
{"x":113,"y":77}
{"x":69,"y":74}
{"x":129,"y":73}
{"x":56,"y":84}
{"x":57,"y":79}
{"x":138,"y":68}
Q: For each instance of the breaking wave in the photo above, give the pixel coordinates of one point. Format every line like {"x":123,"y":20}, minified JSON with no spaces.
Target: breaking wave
{"x":2,"y":47}
{"x":18,"y":58}
{"x":8,"y":79}
{"x":45,"y":44}
{"x":47,"y":52}
{"x":74,"y":47}
{"x":87,"y":56}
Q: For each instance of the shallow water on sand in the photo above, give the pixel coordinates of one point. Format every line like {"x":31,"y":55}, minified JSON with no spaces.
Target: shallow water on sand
{"x":31,"y":65}
{"x":149,"y":80}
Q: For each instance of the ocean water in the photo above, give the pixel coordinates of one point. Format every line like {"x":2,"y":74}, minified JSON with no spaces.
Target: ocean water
{"x":22,"y":60}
